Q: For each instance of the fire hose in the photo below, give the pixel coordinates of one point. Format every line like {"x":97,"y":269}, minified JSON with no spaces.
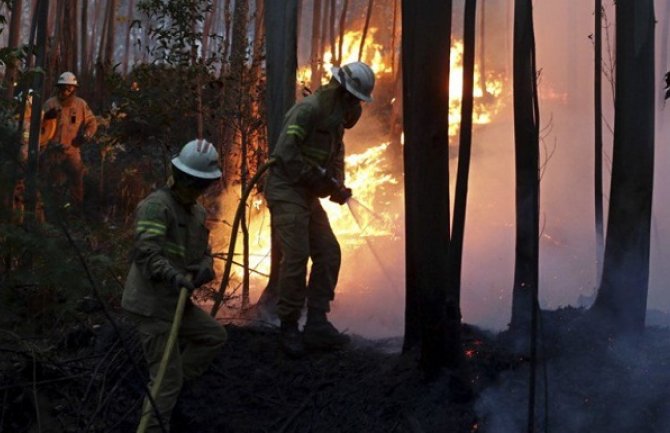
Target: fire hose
{"x":218,"y":298}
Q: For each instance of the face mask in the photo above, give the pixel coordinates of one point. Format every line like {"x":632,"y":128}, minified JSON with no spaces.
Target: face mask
{"x":352,"y":114}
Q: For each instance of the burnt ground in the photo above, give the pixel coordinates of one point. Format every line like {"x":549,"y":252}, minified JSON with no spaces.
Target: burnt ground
{"x":85,"y":381}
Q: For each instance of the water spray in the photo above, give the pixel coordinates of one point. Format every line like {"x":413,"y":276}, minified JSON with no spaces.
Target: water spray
{"x":352,"y":201}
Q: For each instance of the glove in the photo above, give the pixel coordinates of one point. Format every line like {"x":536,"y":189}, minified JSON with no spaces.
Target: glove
{"x":341,"y":195}
{"x":180,"y":280}
{"x":51,"y":114}
{"x":318,"y":182}
{"x":203,"y":274}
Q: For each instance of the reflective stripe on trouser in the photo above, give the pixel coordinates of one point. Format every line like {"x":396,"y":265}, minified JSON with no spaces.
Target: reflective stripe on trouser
{"x":200,"y":338}
{"x":305,"y":233}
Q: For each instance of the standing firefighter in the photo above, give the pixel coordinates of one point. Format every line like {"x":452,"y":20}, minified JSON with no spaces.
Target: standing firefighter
{"x":75,"y":125}
{"x":310,"y":165}
{"x":172,"y":251}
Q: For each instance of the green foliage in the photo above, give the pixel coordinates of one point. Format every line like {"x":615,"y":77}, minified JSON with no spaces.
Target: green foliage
{"x":43,"y":277}
{"x":174,"y":27}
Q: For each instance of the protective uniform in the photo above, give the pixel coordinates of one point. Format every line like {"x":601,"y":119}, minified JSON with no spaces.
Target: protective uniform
{"x":62,"y":158}
{"x":171,"y":239}
{"x":310,"y":164}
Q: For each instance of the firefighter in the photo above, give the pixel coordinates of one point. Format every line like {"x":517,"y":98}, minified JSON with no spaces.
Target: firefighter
{"x":310,"y":165}
{"x":171,"y":251}
{"x":75,"y":125}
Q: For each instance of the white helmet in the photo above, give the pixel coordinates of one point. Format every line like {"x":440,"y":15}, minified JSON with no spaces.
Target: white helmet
{"x":358,"y":78}
{"x":67,"y":78}
{"x":198,"y":158}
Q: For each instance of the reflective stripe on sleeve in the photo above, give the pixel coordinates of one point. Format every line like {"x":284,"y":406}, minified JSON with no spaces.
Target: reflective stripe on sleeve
{"x":175,"y":249}
{"x":151,"y":227}
{"x":296,"y":130}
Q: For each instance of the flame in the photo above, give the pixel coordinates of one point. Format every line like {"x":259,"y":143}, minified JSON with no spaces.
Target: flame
{"x":373,"y":55}
{"x":486,"y":100}
{"x":368,"y":175}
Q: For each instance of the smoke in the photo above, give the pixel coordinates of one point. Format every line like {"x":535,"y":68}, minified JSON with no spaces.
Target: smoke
{"x":584,"y":385}
{"x":370,"y":294}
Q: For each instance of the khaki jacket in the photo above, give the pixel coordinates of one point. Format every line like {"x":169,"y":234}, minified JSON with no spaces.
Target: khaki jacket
{"x":311,"y":136}
{"x":72,"y":117}
{"x":169,"y":237}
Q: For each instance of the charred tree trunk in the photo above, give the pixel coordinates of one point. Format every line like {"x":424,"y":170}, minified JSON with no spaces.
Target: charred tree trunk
{"x":68,"y":37}
{"x":598,"y":123}
{"x":526,"y":152}
{"x":282,"y":62}
{"x":426,"y":41}
{"x":464,"y":152}
{"x":622,"y":297}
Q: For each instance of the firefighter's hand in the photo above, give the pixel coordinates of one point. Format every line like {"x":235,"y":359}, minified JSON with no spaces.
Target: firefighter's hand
{"x":182,"y":280}
{"x":202,"y":274}
{"x":341,"y":195}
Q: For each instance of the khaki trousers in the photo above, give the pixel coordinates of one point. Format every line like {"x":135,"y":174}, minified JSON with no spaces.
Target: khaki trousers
{"x":200,"y":338}
{"x":305,"y":233}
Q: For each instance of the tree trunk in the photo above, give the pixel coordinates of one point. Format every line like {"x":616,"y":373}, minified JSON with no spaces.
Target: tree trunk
{"x":316,"y":50}
{"x":36,"y":115}
{"x":343,"y":23}
{"x":622,"y":297}
{"x":130,"y":16}
{"x":426,"y":41}
{"x":368,"y":15}
{"x":464,"y":152}
{"x":232,"y":103}
{"x":85,"y":59}
{"x":11,"y":72}
{"x":598,"y":123}
{"x":331,"y":25}
{"x":282,"y":63}
{"x":526,"y":152}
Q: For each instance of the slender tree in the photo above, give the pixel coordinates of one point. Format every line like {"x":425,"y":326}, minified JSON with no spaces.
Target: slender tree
{"x":622,"y":296}
{"x":426,"y":41}
{"x":41,"y":12}
{"x":526,"y":153}
{"x":343,"y":25}
{"x":364,"y":36}
{"x":464,"y":152}
{"x":281,"y":21}
{"x":11,"y":71}
{"x":315,"y":55}
{"x":598,"y":132}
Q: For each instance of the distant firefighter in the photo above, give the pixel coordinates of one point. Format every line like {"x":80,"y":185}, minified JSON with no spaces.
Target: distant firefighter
{"x":75,"y":125}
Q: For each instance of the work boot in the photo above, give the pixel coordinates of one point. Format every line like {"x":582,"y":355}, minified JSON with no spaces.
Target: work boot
{"x":291,"y":339}
{"x":319,"y":333}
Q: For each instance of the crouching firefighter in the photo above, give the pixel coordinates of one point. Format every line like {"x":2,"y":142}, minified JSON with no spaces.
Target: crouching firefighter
{"x":171,"y":251}
{"x":310,"y":165}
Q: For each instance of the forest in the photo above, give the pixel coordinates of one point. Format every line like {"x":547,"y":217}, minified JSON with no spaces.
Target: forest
{"x":503,"y":248}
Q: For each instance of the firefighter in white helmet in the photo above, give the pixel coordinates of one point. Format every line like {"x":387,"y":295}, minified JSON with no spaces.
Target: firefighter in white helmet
{"x":310,"y":165}
{"x":75,"y":125}
{"x":171,"y":251}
